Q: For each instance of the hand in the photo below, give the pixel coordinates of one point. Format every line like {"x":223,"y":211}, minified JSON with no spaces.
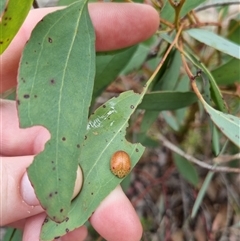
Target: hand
{"x":116,"y":26}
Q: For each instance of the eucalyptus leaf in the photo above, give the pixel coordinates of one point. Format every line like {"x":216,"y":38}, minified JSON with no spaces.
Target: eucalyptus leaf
{"x":186,"y":169}
{"x":167,"y":100}
{"x":55,"y":84}
{"x":167,"y":11}
{"x":105,"y":135}
{"x":207,"y":76}
{"x":228,"y":124}
{"x":202,"y":193}
{"x":13,"y":15}
{"x":215,"y":41}
{"x":108,"y":67}
{"x":228,"y":73}
{"x":13,"y":234}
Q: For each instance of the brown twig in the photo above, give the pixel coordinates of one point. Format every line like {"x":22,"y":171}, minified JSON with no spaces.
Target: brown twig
{"x":192,"y":159}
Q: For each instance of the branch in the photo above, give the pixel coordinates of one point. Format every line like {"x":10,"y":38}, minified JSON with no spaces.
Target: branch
{"x":192,"y":159}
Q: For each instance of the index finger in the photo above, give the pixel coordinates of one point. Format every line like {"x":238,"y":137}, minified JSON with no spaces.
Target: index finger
{"x":117,"y":25}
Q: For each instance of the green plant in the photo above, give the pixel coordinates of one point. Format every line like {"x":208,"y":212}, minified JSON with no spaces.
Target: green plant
{"x":74,"y":130}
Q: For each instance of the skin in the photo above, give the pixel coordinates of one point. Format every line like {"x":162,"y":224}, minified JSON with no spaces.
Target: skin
{"x":116,"y":26}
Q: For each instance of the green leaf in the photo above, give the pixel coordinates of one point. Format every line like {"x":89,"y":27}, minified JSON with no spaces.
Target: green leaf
{"x":186,"y":169}
{"x":167,"y":11}
{"x":13,"y":234}
{"x":171,"y":75}
{"x":228,"y":73}
{"x":55,"y":87}
{"x":228,"y":124}
{"x":207,"y":76}
{"x":167,"y":100}
{"x":202,"y":193}
{"x":215,"y":41}
{"x":137,"y":59}
{"x":108,"y":66}
{"x":11,"y":20}
{"x":105,"y":135}
{"x":234,"y":30}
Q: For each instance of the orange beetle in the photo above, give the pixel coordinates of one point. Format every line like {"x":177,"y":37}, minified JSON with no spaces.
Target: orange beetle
{"x":120,"y":164}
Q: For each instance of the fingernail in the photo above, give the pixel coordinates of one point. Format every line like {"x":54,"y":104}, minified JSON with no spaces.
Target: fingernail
{"x":27,"y":191}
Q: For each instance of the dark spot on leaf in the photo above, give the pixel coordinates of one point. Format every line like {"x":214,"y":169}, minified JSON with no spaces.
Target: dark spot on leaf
{"x":52,"y":81}
{"x":35,"y":96}
{"x":18,"y":102}
{"x":52,"y":162}
{"x":67,"y":218}
{"x":54,"y":168}
{"x":50,"y":195}
{"x":6,"y":18}
{"x":49,"y":40}
{"x":26,"y":96}
{"x":56,"y":193}
{"x":85,"y":137}
{"x":54,"y":217}
{"x":67,"y":230}
{"x":61,"y":210}
{"x":132,"y":106}
{"x":137,"y":150}
{"x":89,"y":182}
{"x":59,"y":179}
{"x":26,"y":62}
{"x":78,"y":146}
{"x":64,"y":139}
{"x":91,"y":193}
{"x":57,"y":237}
{"x":10,"y":18}
{"x":104,"y":106}
{"x":1,"y":42}
{"x":5,"y":24}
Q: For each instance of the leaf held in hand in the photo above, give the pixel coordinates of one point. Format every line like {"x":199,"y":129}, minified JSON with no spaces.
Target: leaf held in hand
{"x":55,"y":85}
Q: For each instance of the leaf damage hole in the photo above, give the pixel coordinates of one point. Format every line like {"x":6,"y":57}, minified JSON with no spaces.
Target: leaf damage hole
{"x":67,"y":230}
{"x":61,"y":210}
{"x":67,"y":218}
{"x":49,"y":40}
{"x":137,"y":150}
{"x":132,"y":106}
{"x":45,"y":220}
{"x":85,"y":137}
{"x":64,"y":139}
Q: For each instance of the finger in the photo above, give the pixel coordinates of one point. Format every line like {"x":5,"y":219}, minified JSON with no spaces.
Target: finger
{"x":18,"y":200}
{"x":78,"y":234}
{"x":117,"y":25}
{"x":13,"y":206}
{"x":116,"y":220}
{"x":15,"y":141}
{"x":33,"y":227}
